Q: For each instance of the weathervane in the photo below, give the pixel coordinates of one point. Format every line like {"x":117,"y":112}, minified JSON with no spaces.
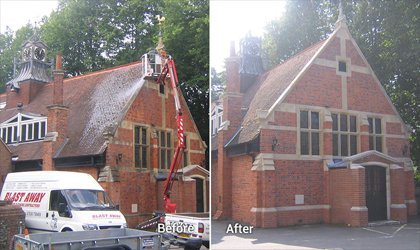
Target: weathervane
{"x":160,"y":47}
{"x":341,"y":17}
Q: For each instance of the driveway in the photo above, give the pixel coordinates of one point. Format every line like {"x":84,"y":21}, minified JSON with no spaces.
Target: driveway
{"x":331,"y":237}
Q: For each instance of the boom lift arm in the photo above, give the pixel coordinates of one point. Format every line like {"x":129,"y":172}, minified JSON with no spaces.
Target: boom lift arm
{"x":170,"y":70}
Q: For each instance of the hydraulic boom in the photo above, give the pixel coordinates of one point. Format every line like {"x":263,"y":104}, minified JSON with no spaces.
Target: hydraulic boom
{"x":170,"y":70}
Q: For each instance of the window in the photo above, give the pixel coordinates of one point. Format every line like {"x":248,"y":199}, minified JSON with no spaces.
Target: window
{"x":309,"y":133}
{"x":375,"y":134}
{"x":342,"y":66}
{"x":165,"y":149}
{"x":141,"y":147}
{"x":57,"y":198}
{"x":23,"y":128}
{"x":344,"y":134}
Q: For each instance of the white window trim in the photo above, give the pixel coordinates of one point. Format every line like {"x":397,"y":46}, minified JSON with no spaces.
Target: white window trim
{"x":31,"y":120}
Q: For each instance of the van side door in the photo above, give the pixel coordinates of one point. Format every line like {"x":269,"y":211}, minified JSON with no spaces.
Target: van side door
{"x":59,"y":213}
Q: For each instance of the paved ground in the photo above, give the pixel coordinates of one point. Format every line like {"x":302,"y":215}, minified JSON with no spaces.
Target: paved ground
{"x":392,"y":237}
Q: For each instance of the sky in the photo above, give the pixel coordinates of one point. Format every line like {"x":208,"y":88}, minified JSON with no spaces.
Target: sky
{"x":17,"y":13}
{"x":231,"y":20}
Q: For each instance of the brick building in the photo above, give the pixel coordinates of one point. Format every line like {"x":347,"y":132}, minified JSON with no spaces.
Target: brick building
{"x":315,"y":139}
{"x":112,"y":124}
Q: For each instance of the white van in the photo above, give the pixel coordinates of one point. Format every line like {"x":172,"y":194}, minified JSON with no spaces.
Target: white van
{"x":58,"y":201}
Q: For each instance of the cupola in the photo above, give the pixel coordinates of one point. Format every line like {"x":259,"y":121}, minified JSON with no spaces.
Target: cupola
{"x":33,"y":65}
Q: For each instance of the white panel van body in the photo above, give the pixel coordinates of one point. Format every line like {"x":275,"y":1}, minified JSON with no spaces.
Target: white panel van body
{"x":58,"y":201}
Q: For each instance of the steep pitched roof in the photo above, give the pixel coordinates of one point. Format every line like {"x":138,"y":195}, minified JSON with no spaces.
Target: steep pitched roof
{"x":269,"y":87}
{"x":97,"y":102}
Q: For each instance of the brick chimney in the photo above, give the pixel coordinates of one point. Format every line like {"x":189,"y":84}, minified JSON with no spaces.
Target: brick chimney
{"x":57,"y":120}
{"x":58,"y":80}
{"x":232,"y":103}
{"x":232,"y":97}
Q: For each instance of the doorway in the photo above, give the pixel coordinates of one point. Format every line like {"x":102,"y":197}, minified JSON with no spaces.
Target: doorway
{"x":376,"y":203}
{"x":199,"y":194}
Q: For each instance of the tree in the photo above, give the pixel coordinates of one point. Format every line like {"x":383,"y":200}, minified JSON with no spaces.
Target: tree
{"x":303,"y":24}
{"x":216,"y":84}
{"x":186,"y":38}
{"x":6,"y":58}
{"x":97,"y":34}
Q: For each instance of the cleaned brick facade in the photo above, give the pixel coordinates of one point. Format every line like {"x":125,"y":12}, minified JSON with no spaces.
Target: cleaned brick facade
{"x":278,"y":183}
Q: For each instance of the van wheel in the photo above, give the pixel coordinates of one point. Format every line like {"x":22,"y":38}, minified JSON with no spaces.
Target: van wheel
{"x":66,"y":230}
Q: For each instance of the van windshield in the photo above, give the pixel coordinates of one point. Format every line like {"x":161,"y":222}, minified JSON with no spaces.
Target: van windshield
{"x":80,"y":199}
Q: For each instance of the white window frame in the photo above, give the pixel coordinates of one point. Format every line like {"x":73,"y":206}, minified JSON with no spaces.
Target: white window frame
{"x":17,"y":128}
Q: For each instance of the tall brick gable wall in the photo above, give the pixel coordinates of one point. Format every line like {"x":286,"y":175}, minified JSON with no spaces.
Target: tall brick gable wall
{"x":137,"y":191}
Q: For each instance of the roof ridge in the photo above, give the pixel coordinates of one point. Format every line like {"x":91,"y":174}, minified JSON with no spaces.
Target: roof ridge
{"x":101,"y":71}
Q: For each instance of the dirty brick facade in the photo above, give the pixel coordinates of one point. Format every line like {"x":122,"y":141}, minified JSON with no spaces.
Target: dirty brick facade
{"x":314,"y":140}
{"x":112,"y":124}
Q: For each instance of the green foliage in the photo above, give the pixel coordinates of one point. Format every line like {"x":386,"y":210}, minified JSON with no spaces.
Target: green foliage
{"x":186,"y":38}
{"x":96,"y":34}
{"x":417,"y":177}
{"x":217,"y":86}
{"x":303,"y":24}
{"x":6,"y":58}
